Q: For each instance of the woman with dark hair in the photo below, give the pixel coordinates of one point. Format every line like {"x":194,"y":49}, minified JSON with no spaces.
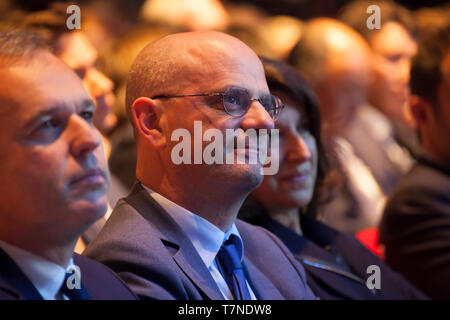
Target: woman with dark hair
{"x":337,"y":265}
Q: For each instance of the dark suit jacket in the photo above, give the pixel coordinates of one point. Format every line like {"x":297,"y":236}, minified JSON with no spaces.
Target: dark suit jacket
{"x":336,"y":263}
{"x":416,"y":228}
{"x":99,"y":282}
{"x":145,"y":246}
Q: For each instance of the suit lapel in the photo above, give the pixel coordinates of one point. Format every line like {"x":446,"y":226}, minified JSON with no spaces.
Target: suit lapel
{"x":347,"y":287}
{"x":326,"y":236}
{"x":322,"y":265}
{"x":261,"y":286}
{"x":319,"y":263}
{"x":351,"y":248}
{"x":194,"y":268}
{"x":186,"y":257}
{"x":14,"y":280}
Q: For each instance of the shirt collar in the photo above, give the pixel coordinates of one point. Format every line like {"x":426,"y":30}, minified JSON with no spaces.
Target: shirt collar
{"x":205,"y":237}
{"x":46,"y":276}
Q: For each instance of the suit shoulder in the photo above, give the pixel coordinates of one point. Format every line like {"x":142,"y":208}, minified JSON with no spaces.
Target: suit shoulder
{"x":423,"y":178}
{"x":100,"y":281}
{"x":261,"y":241}
{"x":419,"y":206}
{"x":254,"y":233}
{"x":126,"y":235}
{"x":422,"y":188}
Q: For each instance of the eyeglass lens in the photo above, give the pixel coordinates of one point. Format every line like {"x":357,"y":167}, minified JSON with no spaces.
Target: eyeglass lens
{"x":236,"y":102}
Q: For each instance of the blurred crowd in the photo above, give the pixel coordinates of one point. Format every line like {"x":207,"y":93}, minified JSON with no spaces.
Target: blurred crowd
{"x":376,"y":128}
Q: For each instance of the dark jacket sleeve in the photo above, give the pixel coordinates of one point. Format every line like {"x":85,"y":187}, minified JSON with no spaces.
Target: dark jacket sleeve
{"x":416,"y":232}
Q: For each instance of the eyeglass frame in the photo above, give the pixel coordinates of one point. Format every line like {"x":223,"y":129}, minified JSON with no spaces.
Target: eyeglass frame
{"x":222,"y":94}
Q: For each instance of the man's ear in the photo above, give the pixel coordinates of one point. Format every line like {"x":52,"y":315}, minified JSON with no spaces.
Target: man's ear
{"x":418,"y":109}
{"x":146,"y":116}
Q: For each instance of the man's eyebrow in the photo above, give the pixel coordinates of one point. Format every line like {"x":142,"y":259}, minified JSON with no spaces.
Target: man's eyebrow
{"x":87,"y":103}
{"x":55,"y":108}
{"x":58,"y":107}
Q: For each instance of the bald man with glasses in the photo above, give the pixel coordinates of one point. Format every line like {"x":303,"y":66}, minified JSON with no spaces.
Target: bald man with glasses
{"x":176,"y":235}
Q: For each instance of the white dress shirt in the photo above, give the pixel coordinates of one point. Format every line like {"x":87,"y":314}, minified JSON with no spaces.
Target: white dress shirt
{"x":206,"y":238}
{"x":46,"y":276}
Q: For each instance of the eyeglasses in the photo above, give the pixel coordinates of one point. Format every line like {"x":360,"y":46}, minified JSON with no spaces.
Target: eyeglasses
{"x":237,"y":101}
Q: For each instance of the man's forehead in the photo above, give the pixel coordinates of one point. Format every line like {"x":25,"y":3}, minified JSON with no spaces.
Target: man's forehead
{"x":219,"y":62}
{"x":39,"y":83}
{"x":393,"y":38}
{"x":76,"y":50}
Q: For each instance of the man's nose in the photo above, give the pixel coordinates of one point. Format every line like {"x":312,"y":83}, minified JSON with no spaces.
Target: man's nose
{"x":85,"y":138}
{"x":257,"y":118}
{"x":298,"y":150}
{"x":97,"y":83}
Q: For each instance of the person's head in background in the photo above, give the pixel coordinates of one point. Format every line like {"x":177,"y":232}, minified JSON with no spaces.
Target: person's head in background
{"x":52,"y":163}
{"x":193,"y":15}
{"x":430,"y":88}
{"x":74,"y":48}
{"x":281,"y":33}
{"x":393,"y":46}
{"x":303,"y":162}
{"x":335,"y":60}
{"x":117,"y":59}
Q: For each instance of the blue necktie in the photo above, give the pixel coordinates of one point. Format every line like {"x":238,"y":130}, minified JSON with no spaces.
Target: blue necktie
{"x":73,"y":294}
{"x":233,"y":271}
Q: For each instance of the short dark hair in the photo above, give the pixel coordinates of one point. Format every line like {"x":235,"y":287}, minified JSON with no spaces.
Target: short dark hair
{"x":354,"y":15}
{"x":426,"y":71}
{"x":17,"y":47}
{"x":281,"y":76}
{"x":20,"y":46}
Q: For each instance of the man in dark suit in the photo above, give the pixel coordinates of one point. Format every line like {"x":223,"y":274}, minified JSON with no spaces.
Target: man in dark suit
{"x":416,"y":224}
{"x":176,"y":234}
{"x":54,"y":178}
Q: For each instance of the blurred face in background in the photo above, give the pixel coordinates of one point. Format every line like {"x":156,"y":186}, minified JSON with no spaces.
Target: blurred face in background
{"x":393,"y":48}
{"x":343,"y":89}
{"x":293,"y":185}
{"x":78,"y":53}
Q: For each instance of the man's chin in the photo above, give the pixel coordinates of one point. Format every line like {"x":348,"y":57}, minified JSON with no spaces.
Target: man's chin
{"x":90,"y":209}
{"x":247,"y":175}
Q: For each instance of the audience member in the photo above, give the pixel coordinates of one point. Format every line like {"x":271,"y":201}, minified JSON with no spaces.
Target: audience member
{"x":192,"y":15}
{"x":286,"y":203}
{"x":416,"y":222}
{"x":382,"y":133}
{"x":54,"y":178}
{"x":75,"y":49}
{"x":281,"y":33}
{"x":335,"y":59}
{"x":176,"y":235}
